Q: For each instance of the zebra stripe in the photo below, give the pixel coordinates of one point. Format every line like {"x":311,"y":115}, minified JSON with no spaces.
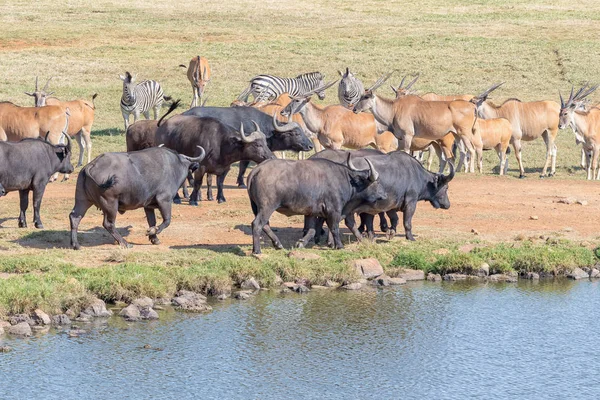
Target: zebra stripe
{"x":140,"y":98}
{"x":270,"y":87}
{"x":350,"y":90}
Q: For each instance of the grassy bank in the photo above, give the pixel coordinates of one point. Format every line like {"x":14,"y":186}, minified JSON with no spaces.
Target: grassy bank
{"x":55,"y":285}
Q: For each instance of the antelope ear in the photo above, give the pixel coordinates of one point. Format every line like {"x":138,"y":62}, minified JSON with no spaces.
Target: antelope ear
{"x":121,"y":77}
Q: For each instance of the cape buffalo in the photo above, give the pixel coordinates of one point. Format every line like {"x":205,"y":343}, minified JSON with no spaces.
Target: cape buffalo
{"x":2,"y":191}
{"x":289,"y":136}
{"x":314,"y":187}
{"x":223,"y":144}
{"x":117,"y":182}
{"x":28,"y":165}
{"x":405,"y":181}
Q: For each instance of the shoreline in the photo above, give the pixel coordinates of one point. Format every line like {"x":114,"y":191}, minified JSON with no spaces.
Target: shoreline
{"x":42,"y":291}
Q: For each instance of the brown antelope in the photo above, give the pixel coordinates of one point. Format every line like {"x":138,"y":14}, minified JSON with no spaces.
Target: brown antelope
{"x":530,"y":121}
{"x":198,"y":74}
{"x":81,"y":119}
{"x":491,"y":134}
{"x":17,"y":123}
{"x":337,"y":127}
{"x":585,"y":123}
{"x":410,"y":116}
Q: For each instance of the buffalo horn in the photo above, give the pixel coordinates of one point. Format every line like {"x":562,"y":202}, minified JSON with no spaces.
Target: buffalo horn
{"x":350,"y":165}
{"x":374,"y":175}
{"x":196,"y":159}
{"x":447,"y":178}
{"x":286,"y":127}
{"x":257,"y":134}
{"x":68,"y":141}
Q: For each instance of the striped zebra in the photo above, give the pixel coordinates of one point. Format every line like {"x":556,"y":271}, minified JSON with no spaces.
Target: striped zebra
{"x":350,"y":89}
{"x":269,"y":87}
{"x":140,"y":98}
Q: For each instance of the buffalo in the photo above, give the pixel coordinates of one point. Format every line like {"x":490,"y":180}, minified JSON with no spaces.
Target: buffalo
{"x":223,"y":144}
{"x":405,"y":181}
{"x":28,"y":165}
{"x":289,"y":136}
{"x":313,"y":187}
{"x":2,"y":191}
{"x":118,"y":182}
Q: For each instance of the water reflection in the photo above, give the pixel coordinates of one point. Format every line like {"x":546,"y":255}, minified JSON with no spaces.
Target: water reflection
{"x":423,"y":340}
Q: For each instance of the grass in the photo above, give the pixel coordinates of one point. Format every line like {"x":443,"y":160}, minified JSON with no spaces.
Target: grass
{"x":537,"y":46}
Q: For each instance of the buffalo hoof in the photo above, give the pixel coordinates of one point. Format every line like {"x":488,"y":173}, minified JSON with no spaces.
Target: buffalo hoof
{"x":126,"y":245}
{"x":278,"y":246}
{"x":39,"y":225}
{"x":176,"y":200}
{"x":76,"y":246}
{"x":22,"y":224}
{"x":384,"y":227}
{"x":410,"y":237}
{"x":390,"y":234}
{"x":222,"y":200}
{"x":300,"y":244}
{"x":210,"y":198}
{"x":152,"y":231}
{"x":361,"y":228}
{"x":371,"y":236}
{"x":155,"y":240}
{"x":193,"y":203}
{"x":242,"y":186}
{"x":522,"y":176}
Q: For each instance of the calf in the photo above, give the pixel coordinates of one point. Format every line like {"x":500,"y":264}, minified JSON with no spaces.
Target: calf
{"x":118,"y":182}
{"x":313,"y":187}
{"x":28,"y":165}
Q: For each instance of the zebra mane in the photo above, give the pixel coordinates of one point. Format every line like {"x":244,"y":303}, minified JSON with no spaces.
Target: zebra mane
{"x":315,"y":74}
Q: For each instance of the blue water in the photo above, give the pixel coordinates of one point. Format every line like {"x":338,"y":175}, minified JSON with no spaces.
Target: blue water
{"x":421,"y":341}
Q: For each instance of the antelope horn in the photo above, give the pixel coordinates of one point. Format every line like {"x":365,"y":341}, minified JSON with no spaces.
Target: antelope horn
{"x":36,"y":83}
{"x":46,"y":86}
{"x":562,"y":102}
{"x":380,"y":82}
{"x":402,"y":81}
{"x":490,"y":90}
{"x":196,"y":159}
{"x":413,"y":81}
{"x":204,"y":102}
{"x":373,"y":175}
{"x":320,"y":89}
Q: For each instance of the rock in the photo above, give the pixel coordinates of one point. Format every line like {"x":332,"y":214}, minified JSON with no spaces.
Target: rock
{"x":331,"y":284}
{"x":412,"y":275}
{"x":530,"y":275}
{"x":454,"y":277}
{"x":397,"y":281}
{"x":190,"y":301}
{"x":319,"y":287}
{"x":61,"y":319}
{"x":278,"y":280}
{"x":40,"y":329}
{"x":534,"y":218}
{"x":474,"y":231}
{"x":73,"y":333}
{"x":502,"y":278}
{"x":582,"y":202}
{"x":441,"y":252}
{"x":594,"y":273}
{"x":289,"y":285}
{"x":41,"y":318}
{"x":97,"y":309}
{"x":301,"y":255}
{"x":577,"y":274}
{"x":259,"y":257}
{"x":352,"y":286}
{"x":302,"y":281}
{"x":18,"y":318}
{"x":484,"y":270}
{"x":300,"y":289}
{"x":241,"y":295}
{"x":381,"y":280}
{"x":466,"y":248}
{"x":131,"y":313}
{"x":4,"y":324}
{"x":5,"y":349}
{"x":250,"y":284}
{"x":83,"y":317}
{"x":163,"y":301}
{"x":70,"y":313}
{"x":368,"y":267}
{"x":567,"y":200}
{"x":434,"y":277}
{"x":20,"y":329}
{"x":1,"y":330}
{"x":222,"y":297}
{"x":520,"y":237}
{"x":143,"y":302}
{"x":148,"y":313}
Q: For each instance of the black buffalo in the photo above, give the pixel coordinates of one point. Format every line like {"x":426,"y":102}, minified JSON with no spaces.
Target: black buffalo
{"x":28,"y":165}
{"x":289,"y":136}
{"x":118,"y":182}
{"x":2,"y":191}
{"x":405,"y":181}
{"x":314,"y":187}
{"x":223,"y":144}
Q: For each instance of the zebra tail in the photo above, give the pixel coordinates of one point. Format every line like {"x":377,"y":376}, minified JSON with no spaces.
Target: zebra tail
{"x":167,"y":98}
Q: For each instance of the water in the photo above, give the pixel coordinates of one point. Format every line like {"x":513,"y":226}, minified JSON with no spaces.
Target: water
{"x":420,"y":341}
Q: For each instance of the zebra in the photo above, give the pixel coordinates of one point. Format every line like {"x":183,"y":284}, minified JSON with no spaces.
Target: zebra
{"x":350,"y":89}
{"x":269,"y":87}
{"x":140,"y":98}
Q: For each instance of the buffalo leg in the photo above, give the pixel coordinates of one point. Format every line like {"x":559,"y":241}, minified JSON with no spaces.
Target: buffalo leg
{"x":308,"y":231}
{"x":240,"y":178}
{"x":196,"y":196}
{"x":383,"y":224}
{"x":209,"y":181}
{"x":408,"y":212}
{"x":164,"y":206}
{"x":260,"y":220}
{"x":368,"y":221}
{"x":333,"y":222}
{"x":38,"y":194}
{"x":362,"y":217}
{"x":220,"y":182}
{"x":81,"y":207}
{"x":110,"y":217}
{"x":351,"y":224}
{"x":393,"y":215}
{"x":319,"y":231}
{"x":274,"y":239}
{"x":151,"y":217}
{"x":24,"y":203}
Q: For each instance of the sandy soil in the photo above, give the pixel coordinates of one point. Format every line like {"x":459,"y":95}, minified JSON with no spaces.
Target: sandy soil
{"x":498,"y":209}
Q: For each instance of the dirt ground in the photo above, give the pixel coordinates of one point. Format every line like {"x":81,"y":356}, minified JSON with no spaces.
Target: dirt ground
{"x":498,"y":209}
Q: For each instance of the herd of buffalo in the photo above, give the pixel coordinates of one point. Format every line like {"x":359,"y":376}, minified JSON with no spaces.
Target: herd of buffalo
{"x":330,"y":186}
